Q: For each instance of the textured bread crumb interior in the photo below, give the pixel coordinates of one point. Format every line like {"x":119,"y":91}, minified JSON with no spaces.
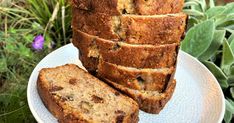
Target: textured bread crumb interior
{"x":86,"y":96}
{"x":116,"y":27}
{"x":126,"y":6}
{"x":159,"y":70}
{"x":93,"y":51}
{"x":156,"y":16}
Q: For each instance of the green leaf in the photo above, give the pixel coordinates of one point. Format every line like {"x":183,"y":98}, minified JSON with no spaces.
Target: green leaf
{"x":218,"y":73}
{"x":227,"y":116}
{"x":13,"y":108}
{"x":232,"y":92}
{"x":24,"y":51}
{"x":3,"y":65}
{"x":227,"y":58}
{"x":212,"y":3}
{"x":203,"y":5}
{"x":231,"y":38}
{"x":216,"y":43}
{"x":12,"y":30}
{"x":229,"y":110}
{"x":190,"y":3}
{"x":29,"y":38}
{"x":213,"y":12}
{"x":230,"y":28}
{"x":232,"y":43}
{"x":193,"y":12}
{"x":199,"y":38}
{"x":220,"y":19}
{"x":232,"y":70}
{"x":192,"y":21}
{"x":196,"y":7}
{"x":224,"y":84}
{"x":230,"y":101}
{"x":38,"y":27}
{"x":226,"y":21}
{"x":229,"y":8}
{"x":10,"y":47}
{"x":231,"y":76}
{"x":229,"y":106}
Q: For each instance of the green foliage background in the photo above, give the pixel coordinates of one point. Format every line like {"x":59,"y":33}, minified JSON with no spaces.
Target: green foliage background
{"x":210,"y":38}
{"x":20,"y":22}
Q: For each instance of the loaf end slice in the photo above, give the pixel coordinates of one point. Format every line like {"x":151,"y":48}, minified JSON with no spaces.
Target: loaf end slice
{"x":75,"y":96}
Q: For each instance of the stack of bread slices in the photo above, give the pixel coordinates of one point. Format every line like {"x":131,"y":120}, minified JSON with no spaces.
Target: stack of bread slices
{"x":132,"y":45}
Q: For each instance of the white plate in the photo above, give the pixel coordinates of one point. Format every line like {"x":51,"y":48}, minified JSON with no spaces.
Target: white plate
{"x":197,"y":99}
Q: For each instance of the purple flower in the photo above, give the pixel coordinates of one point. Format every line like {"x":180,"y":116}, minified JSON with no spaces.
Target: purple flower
{"x":38,"y":42}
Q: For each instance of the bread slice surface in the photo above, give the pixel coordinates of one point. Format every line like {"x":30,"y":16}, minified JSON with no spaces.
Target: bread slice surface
{"x":138,"y":56}
{"x":75,"y":96}
{"x":149,"y":101}
{"x":138,"y":79}
{"x":132,"y":29}
{"x":139,"y":7}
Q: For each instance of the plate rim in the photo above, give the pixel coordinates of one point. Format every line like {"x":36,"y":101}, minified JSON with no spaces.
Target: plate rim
{"x":216,"y":82}
{"x":38,"y":119}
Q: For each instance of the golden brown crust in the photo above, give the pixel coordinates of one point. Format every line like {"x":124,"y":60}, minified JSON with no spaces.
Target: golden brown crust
{"x":63,"y":111}
{"x":156,"y":30}
{"x":90,"y":63}
{"x":139,"y":79}
{"x":140,"y":7}
{"x":136,"y":79}
{"x":51,"y":103}
{"x":138,"y":56}
{"x":48,"y":99}
{"x":150,"y":104}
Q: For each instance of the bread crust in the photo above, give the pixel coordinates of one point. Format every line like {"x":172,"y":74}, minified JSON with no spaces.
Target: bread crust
{"x":138,"y":56}
{"x":150,"y":104}
{"x":140,"y":7}
{"x":155,"y":30}
{"x":64,"y":112}
{"x":139,"y":79}
{"x":52,"y":104}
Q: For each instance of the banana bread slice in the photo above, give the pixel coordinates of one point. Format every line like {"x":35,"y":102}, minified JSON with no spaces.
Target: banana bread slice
{"x":138,"y":79}
{"x":148,"y":101}
{"x":141,"y":7}
{"x":132,"y":29}
{"x":74,"y":96}
{"x":138,"y":56}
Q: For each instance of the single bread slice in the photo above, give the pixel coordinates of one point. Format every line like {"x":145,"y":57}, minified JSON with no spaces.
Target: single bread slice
{"x":141,"y":7}
{"x":148,"y":101}
{"x":138,"y":79}
{"x":132,"y":29}
{"x":138,"y":56}
{"x":74,"y":96}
